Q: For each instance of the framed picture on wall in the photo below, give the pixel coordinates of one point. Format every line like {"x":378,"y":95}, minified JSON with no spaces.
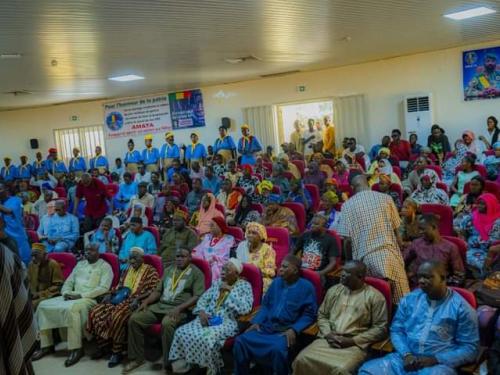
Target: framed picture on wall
{"x":481,"y":73}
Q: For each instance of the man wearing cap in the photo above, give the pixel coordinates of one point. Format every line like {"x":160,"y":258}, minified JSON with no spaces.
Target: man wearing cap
{"x":224,"y":145}
{"x":24,"y":171}
{"x":40,"y":206}
{"x":90,"y":278}
{"x":248,"y":146}
{"x":195,"y":152}
{"x":39,"y":165}
{"x":45,"y":277}
{"x":9,"y":171}
{"x":136,"y":237}
{"x":181,"y":286}
{"x":54,"y":165}
{"x":150,"y":155}
{"x":77,"y":163}
{"x":99,"y":161}
{"x":178,"y":236}
{"x":60,"y":231}
{"x":169,"y":151}
{"x":142,"y":196}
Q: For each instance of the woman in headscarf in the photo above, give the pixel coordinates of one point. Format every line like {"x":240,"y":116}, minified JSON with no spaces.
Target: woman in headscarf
{"x":427,"y":192}
{"x":482,"y":230}
{"x":438,"y":142}
{"x":408,"y":229}
{"x":256,"y":251}
{"x":244,"y":213}
{"x":384,"y":186}
{"x":215,"y":246}
{"x":299,"y":194}
{"x":332,"y":185}
{"x":468,"y":201}
{"x":383,"y":166}
{"x":202,"y":218}
{"x":411,"y":183}
{"x":108,"y":320}
{"x":314,"y":176}
{"x":328,"y":201}
{"x":248,"y":181}
{"x":325,"y":168}
{"x":171,"y":205}
{"x":264,"y":189}
{"x":450,"y":165}
{"x":473,"y":146}
{"x":279,"y":216}
{"x":462,"y":177}
{"x":179,"y":184}
{"x":279,"y":180}
{"x":341,"y":174}
{"x":492,"y":163}
{"x":199,"y":342}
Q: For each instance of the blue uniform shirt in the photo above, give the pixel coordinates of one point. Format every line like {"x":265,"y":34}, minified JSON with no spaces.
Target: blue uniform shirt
{"x":77,"y":164}
{"x":198,"y":152}
{"x":168,"y":151}
{"x":247,"y":149}
{"x":57,"y":166}
{"x":224,"y":144}
{"x":10,"y":173}
{"x":24,"y":172}
{"x":150,"y":156}
{"x":39,"y":167}
{"x":132,"y":157}
{"x":99,"y":161}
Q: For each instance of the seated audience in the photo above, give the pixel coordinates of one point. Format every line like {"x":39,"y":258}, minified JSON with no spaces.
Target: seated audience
{"x":202,"y":218}
{"x":60,"y":231}
{"x":411,"y":183}
{"x":492,"y":163}
{"x":427,"y":192}
{"x":219,"y":166}
{"x":175,"y":167}
{"x":105,"y":237}
{"x":244,"y":213}
{"x":278,"y":179}
{"x":211,"y":181}
{"x":415,"y":147}
{"x":139,"y":211}
{"x":108,"y":320}
{"x":481,"y":230}
{"x":40,"y":206}
{"x":400,"y":148}
{"x":128,"y":189}
{"x":155,"y":187}
{"x":288,"y":307}
{"x":229,"y":198}
{"x":179,"y":235}
{"x":215,"y":246}
{"x":299,"y":194}
{"x":314,"y":175}
{"x":450,"y":325}
{"x":89,"y":279}
{"x":142,"y":196}
{"x":232,"y":173}
{"x":179,"y":184}
{"x":160,"y":201}
{"x":168,"y":304}
{"x":193,"y":198}
{"x":353,"y":316}
{"x":256,"y":251}
{"x":374,"y":151}
{"x":279,"y":216}
{"x":438,"y":142}
{"x":408,"y":230}
{"x":468,"y":201}
{"x":217,"y":312}
{"x":328,"y":201}
{"x":491,"y":135}
{"x":264,"y":189}
{"x":431,"y":246}
{"x":462,"y":177}
{"x":450,"y":165}
{"x":45,"y":276}
{"x":171,"y":205}
{"x":341,"y":173}
{"x":474,"y":146}
{"x":142,"y":175}
{"x":136,"y":237}
{"x":288,"y":166}
{"x":197,"y":171}
{"x":385,"y":187}
{"x":248,"y":182}
{"x":383,"y":167}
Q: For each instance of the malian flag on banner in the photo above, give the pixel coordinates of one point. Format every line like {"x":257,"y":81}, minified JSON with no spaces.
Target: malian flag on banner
{"x":182,"y":95}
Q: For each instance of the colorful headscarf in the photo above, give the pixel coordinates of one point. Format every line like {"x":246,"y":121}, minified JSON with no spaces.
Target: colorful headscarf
{"x":330,"y":197}
{"x":275,"y":198}
{"x":331,"y":181}
{"x":483,"y":222}
{"x":221,"y":223}
{"x":265,"y":184}
{"x":257,"y":227}
{"x":430,"y":175}
{"x":206,"y":216}
{"x":387,"y":168}
{"x":470,"y":134}
{"x":247,"y":168}
{"x":181,"y":214}
{"x":39,"y":247}
{"x":385,"y":179}
{"x":386,"y":150}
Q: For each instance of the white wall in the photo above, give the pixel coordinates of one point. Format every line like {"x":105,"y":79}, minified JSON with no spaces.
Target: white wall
{"x":384,"y":83}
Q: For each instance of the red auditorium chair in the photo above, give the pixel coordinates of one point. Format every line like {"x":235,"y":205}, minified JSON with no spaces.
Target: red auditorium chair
{"x":67,"y":262}
{"x":315,"y":280}
{"x":61,"y":192}
{"x":301,"y":166}
{"x":31,"y":221}
{"x":237,"y":233}
{"x":466,"y":295}
{"x":460,"y":244}
{"x":276,"y":189}
{"x":300,"y":214}
{"x":267,"y":165}
{"x":257,"y":207}
{"x":383,"y":287}
{"x":315,"y":195}
{"x":220,"y":207}
{"x":442,"y":186}
{"x":445,"y":214}
{"x":32,"y":236}
{"x":112,"y":189}
{"x":156,"y":262}
{"x":154,"y":231}
{"x":279,"y":239}
{"x":397,"y":171}
{"x":114,"y":262}
{"x":489,"y":187}
{"x":481,"y":169}
{"x":288,"y":175}
{"x":394,"y":187}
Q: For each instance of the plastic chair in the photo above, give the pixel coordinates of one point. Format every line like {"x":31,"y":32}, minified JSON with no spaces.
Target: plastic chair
{"x":154,"y":231}
{"x":315,"y":196}
{"x":279,"y":239}
{"x":460,"y":244}
{"x":114,"y":262}
{"x":61,"y":192}
{"x":300,"y":214}
{"x":445,"y":214}
{"x":237,"y":233}
{"x":67,"y":261}
{"x":257,"y":207}
{"x":315,"y":280}
{"x":156,"y":262}
{"x":489,"y":187}
{"x":301,"y":166}
{"x":204,"y":267}
{"x":383,"y":287}
{"x":394,"y":187}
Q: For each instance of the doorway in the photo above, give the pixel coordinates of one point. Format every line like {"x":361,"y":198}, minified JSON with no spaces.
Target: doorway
{"x":289,"y":113}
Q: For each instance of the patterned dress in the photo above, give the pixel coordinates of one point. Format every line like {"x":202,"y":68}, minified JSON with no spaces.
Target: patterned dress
{"x":215,"y":252}
{"x":108,"y":321}
{"x":200,"y":345}
{"x":264,"y":259}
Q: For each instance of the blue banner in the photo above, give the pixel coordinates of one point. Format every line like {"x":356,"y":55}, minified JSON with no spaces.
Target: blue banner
{"x":481,"y":73}
{"x":186,"y":109}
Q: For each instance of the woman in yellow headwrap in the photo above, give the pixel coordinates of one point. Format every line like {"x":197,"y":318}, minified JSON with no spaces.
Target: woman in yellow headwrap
{"x":256,"y":251}
{"x":328,"y":201}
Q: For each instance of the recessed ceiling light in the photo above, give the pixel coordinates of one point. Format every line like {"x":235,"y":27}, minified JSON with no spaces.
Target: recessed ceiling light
{"x":470,"y":13}
{"x":7,"y":56}
{"x":126,"y":78}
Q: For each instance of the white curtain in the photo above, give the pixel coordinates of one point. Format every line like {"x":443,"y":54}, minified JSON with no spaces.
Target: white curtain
{"x":349,"y":116}
{"x":262,"y":124}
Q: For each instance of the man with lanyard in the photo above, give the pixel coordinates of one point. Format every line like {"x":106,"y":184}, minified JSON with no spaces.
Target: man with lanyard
{"x":39,"y":165}
{"x":12,"y":211}
{"x":150,"y":155}
{"x":179,"y":290}
{"x":54,"y":166}
{"x":248,"y":146}
{"x":9,"y":172}
{"x":132,"y":157}
{"x":77,"y":163}
{"x":195,"y":152}
{"x":24,"y":171}
{"x":169,"y":151}
{"x":224,"y":145}
{"x":99,"y":161}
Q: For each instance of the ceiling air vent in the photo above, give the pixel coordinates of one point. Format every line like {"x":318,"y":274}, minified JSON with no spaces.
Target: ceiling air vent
{"x":18,"y":92}
{"x":281,"y":74}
